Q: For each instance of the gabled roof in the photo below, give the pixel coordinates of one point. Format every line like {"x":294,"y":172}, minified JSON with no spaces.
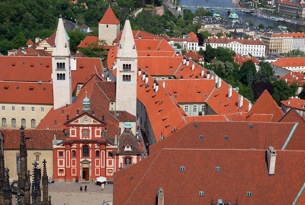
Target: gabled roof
{"x":39,"y":139}
{"x":26,"y":92}
{"x":109,"y":17}
{"x":165,"y":115}
{"x":127,"y":138}
{"x":240,"y":59}
{"x":89,"y":40}
{"x":296,"y":103}
{"x":265,"y":104}
{"x":192,"y":37}
{"x":294,"y":77}
{"x":290,"y":62}
{"x":30,"y":42}
{"x":76,"y":121}
{"x":228,"y":135}
{"x":220,"y":174}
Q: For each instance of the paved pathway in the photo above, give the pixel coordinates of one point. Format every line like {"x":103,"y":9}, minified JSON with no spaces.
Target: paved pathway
{"x":69,"y":193}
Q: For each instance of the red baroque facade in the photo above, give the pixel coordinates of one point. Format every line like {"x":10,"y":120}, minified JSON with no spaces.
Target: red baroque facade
{"x":83,"y":155}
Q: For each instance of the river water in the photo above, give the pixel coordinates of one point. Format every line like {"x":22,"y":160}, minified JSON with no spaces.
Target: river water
{"x":243,"y":17}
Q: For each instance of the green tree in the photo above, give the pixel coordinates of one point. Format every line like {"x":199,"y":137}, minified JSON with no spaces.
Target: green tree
{"x":210,"y":53}
{"x":261,"y":26}
{"x":76,"y":36}
{"x":281,"y":91}
{"x":295,"y":53}
{"x":265,"y":71}
{"x":247,"y":73}
{"x":302,"y":93}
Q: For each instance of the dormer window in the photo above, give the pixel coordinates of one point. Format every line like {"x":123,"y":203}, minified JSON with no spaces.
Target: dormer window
{"x":127,"y":148}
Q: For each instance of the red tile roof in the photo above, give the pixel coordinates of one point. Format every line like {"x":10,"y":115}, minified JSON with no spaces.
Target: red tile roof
{"x":294,"y":77}
{"x":289,"y":62}
{"x":206,"y":118}
{"x":26,"y":93}
{"x":297,"y":141}
{"x":192,"y":37}
{"x":89,"y":40}
{"x":283,"y":35}
{"x":39,"y":139}
{"x":238,"y":58}
{"x":296,"y":103}
{"x":230,"y":40}
{"x":30,"y":42}
{"x":265,"y":104}
{"x":240,"y":172}
{"x":194,"y":56}
{"x":109,"y":17}
{"x":165,"y":115}
{"x":228,"y":135}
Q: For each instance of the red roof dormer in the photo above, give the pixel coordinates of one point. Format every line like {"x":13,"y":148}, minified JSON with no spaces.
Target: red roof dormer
{"x":109,"y":17}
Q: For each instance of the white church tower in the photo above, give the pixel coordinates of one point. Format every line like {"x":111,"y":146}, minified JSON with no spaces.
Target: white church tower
{"x":61,"y":70}
{"x":127,"y":63}
{"x":108,"y":27}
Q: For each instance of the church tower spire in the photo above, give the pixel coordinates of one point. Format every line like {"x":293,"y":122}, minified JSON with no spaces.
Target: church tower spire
{"x":127,"y":61}
{"x":61,"y":70}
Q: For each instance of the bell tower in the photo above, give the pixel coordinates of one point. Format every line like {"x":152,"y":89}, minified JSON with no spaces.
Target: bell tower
{"x":127,"y":63}
{"x":61,"y":69}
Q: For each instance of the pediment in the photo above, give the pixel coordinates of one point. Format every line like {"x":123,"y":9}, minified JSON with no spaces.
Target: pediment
{"x":85,"y":119}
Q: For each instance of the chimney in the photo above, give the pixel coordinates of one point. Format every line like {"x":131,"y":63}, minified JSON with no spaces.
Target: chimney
{"x":184,"y":60}
{"x":77,"y":112}
{"x":157,"y":87}
{"x":160,"y":196}
{"x":143,"y":76}
{"x":93,"y":113}
{"x":208,"y":74}
{"x":163,"y":84}
{"x":271,"y":158}
{"x":155,"y":81}
{"x":202,"y":71}
{"x":219,"y":83}
{"x":139,"y":71}
{"x":216,"y":79}
{"x":212,"y":75}
{"x":230,"y":91}
{"x":240,"y":101}
{"x":193,"y":65}
{"x":146,"y":78}
{"x":249,"y":106}
{"x":187,"y":62}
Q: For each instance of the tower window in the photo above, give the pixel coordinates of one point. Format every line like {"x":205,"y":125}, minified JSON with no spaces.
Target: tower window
{"x":73,"y":153}
{"x":126,"y":78}
{"x":14,"y":123}
{"x":61,"y":65}
{"x":126,"y":67}
{"x":97,"y":153}
{"x":61,"y":76}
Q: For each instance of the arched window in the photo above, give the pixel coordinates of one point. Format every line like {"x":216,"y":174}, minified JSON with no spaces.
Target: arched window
{"x":97,"y":153}
{"x":14,"y":123}
{"x":23,"y":122}
{"x":3,"y":122}
{"x":85,"y":151}
{"x":73,"y":153}
{"x":33,"y":123}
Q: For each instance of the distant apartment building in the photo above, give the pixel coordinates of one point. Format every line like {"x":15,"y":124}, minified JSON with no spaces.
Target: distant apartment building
{"x":294,"y":8}
{"x":188,"y":42}
{"x":277,"y":43}
{"x":254,"y":47}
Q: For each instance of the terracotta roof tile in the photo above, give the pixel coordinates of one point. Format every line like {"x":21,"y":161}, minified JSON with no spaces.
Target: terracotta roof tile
{"x":182,"y":187}
{"x":238,"y":58}
{"x":39,"y":139}
{"x":109,"y":17}
{"x":296,"y":103}
{"x":289,"y":62}
{"x":294,"y":77}
{"x":89,"y":40}
{"x":26,"y":93}
{"x":228,"y":135}
{"x":30,"y":42}
{"x":265,"y":104}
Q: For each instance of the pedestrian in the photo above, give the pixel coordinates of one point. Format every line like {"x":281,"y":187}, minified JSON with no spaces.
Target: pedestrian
{"x":81,"y":188}
{"x":85,"y":187}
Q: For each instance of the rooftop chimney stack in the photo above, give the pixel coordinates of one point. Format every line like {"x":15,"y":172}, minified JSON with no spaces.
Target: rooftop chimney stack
{"x":184,"y":60}
{"x":187,"y":62}
{"x":271,"y":158}
{"x":163,"y":84}
{"x":202,"y":71}
{"x":146,"y":78}
{"x":193,"y":65}
{"x":219,"y":82}
{"x":157,"y":87}
{"x":216,"y":79}
{"x":240,"y":101}
{"x":160,"y":196}
{"x":139,"y":72}
{"x":154,"y":86}
{"x":249,"y":106}
{"x":143,"y":76}
{"x":230,"y":91}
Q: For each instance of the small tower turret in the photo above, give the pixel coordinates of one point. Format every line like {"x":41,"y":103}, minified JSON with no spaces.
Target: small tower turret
{"x":86,"y":104}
